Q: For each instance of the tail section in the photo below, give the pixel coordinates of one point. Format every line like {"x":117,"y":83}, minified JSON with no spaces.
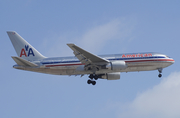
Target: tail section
{"x":23,"y":48}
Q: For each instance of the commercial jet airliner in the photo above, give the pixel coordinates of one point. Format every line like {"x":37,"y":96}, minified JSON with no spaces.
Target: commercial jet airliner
{"x":96,"y":66}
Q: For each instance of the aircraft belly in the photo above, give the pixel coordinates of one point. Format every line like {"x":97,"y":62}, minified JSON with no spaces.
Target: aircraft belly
{"x":56,"y":71}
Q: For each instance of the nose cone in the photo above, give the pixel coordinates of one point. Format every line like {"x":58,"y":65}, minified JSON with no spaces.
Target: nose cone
{"x":171,"y":60}
{"x":168,"y":61}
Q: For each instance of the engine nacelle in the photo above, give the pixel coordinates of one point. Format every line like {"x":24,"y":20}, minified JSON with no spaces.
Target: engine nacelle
{"x":111,"y":76}
{"x":116,"y":65}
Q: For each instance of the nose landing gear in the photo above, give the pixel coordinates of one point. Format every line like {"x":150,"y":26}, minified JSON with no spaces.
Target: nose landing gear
{"x":160,"y":71}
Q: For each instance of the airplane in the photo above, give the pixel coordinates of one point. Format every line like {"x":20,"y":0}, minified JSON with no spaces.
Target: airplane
{"x":85,"y":63}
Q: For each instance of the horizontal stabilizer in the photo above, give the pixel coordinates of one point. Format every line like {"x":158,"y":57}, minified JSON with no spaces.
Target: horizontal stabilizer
{"x":23,"y":62}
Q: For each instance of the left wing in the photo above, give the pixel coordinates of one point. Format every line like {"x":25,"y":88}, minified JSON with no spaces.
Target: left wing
{"x":86,"y":57}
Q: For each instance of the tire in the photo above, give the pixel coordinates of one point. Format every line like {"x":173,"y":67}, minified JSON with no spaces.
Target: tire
{"x":89,"y":81}
{"x":160,"y":75}
{"x":96,"y":77}
{"x":91,"y":76}
{"x":93,"y":82}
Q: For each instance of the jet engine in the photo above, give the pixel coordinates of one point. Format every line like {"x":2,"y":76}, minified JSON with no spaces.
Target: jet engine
{"x":110,"y":76}
{"x":116,"y":65}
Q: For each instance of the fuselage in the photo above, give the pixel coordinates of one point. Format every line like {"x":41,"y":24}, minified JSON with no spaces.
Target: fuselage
{"x":72,"y":65}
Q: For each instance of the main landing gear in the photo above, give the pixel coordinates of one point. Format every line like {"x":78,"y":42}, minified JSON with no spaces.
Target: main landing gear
{"x":92,"y":76}
{"x":160,"y":71}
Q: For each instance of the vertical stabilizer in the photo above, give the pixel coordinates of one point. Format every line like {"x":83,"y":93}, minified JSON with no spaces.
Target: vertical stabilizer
{"x":23,"y":48}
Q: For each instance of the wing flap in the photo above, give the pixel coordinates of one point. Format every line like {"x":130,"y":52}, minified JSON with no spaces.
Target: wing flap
{"x":23,"y":62}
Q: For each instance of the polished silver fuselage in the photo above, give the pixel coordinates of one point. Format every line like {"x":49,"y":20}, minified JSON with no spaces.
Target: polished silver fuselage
{"x":72,"y":66}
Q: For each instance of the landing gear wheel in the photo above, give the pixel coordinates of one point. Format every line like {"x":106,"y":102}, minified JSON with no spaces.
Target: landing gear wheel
{"x":95,"y":77}
{"x":160,"y":75}
{"x":89,"y":81}
{"x":91,"y":76}
{"x":93,"y":82}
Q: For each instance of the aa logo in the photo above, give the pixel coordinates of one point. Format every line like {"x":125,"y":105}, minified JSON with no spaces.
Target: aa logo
{"x":28,"y":50}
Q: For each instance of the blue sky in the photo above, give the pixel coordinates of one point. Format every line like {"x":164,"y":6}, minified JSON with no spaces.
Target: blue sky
{"x":101,"y":27}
